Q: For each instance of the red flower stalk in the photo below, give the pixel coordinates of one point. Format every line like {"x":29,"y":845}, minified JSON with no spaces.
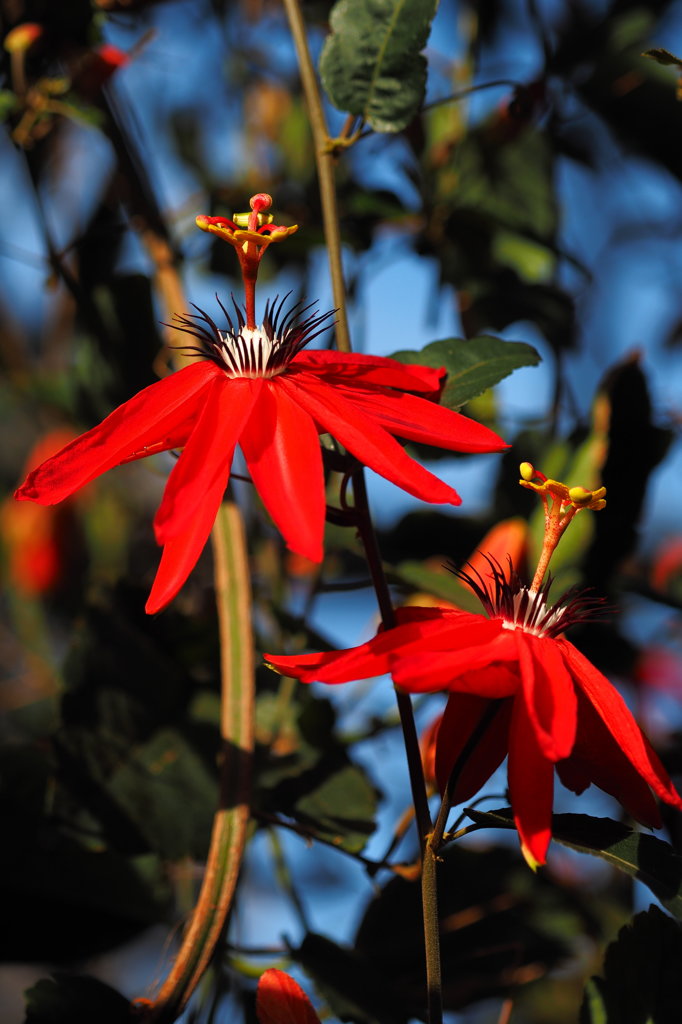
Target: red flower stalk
{"x":258,"y":388}
{"x":554,"y":709}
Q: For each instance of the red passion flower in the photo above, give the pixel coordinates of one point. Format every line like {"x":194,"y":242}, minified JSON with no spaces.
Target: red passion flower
{"x":256,"y":386}
{"x":532,"y":695}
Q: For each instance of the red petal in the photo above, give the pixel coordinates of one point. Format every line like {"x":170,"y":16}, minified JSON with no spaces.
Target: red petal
{"x":531,"y":784}
{"x":206,"y":460}
{"x":145,"y":419}
{"x":415,"y":419}
{"x":434,"y":669}
{"x":549,"y":693}
{"x":462,"y":715}
{"x":180,"y":553}
{"x":365,"y":661}
{"x":281,"y":1000}
{"x":366,"y":440}
{"x":359,"y":370}
{"x":612,"y":710}
{"x":597,"y":758}
{"x":282,"y":451}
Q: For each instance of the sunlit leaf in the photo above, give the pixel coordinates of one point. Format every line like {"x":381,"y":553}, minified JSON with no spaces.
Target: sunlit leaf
{"x":473,"y":364}
{"x":642,"y":856}
{"x":372,"y":65}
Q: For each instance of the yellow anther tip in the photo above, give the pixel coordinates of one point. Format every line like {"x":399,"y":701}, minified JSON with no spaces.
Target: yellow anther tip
{"x":527,"y":470}
{"x":579,"y":495}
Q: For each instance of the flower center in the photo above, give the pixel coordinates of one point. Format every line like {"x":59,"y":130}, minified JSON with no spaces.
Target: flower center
{"x":243,"y":351}
{"x":250,"y":353}
{"x":503,"y":597}
{"x":531,"y":614}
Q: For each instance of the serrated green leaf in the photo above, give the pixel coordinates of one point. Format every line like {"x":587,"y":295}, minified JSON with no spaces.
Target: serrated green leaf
{"x":641,"y":856}
{"x":372,"y":65}
{"x":473,"y":364}
{"x":642,"y":982}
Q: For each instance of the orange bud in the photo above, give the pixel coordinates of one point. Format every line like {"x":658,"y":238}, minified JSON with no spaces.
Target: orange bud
{"x":506,"y":540}
{"x":281,"y":1000}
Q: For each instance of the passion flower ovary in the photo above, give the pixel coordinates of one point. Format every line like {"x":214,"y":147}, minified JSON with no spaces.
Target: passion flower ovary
{"x":263,"y":351}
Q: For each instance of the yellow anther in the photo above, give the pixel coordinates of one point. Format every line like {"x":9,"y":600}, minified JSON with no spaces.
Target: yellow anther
{"x":527,"y":470}
{"x":583,"y":498}
{"x":242,"y":219}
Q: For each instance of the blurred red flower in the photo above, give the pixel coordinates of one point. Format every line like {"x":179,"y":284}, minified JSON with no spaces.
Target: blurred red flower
{"x":281,"y":1000}
{"x":35,"y":538}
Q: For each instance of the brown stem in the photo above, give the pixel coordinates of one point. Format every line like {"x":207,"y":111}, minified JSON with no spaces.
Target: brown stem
{"x":325,"y":160}
{"x":230,"y":823}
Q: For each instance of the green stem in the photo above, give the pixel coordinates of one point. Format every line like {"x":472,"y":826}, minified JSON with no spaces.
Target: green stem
{"x":325,"y":160}
{"x":230,"y":822}
{"x":429,"y":872}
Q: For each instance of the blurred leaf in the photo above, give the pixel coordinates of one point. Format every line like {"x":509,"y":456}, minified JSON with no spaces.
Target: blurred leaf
{"x":499,"y":926}
{"x":662,"y":56}
{"x":341,"y":808}
{"x":371,"y":64}
{"x":473,"y":364}
{"x":642,"y":983}
{"x":157,"y":778}
{"x":304,"y":771}
{"x":509,"y":182}
{"x":9,"y":102}
{"x":636,"y":445}
{"x":593,"y":1010}
{"x":68,"y":997}
{"x":642,"y":856}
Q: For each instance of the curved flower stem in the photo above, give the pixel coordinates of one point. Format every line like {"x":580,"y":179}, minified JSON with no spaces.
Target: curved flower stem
{"x":414,"y":761}
{"x":429,"y":871}
{"x":325,"y":160}
{"x":233,"y":594}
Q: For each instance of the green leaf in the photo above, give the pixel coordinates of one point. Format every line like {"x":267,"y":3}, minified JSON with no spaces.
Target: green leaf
{"x":66,"y":997}
{"x":342,"y":808}
{"x":160,"y":776}
{"x":473,"y":365}
{"x":642,"y":983}
{"x":371,"y":64}
{"x":593,"y":1010}
{"x":641,"y":856}
{"x":662,"y":56}
{"x":303,"y":771}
